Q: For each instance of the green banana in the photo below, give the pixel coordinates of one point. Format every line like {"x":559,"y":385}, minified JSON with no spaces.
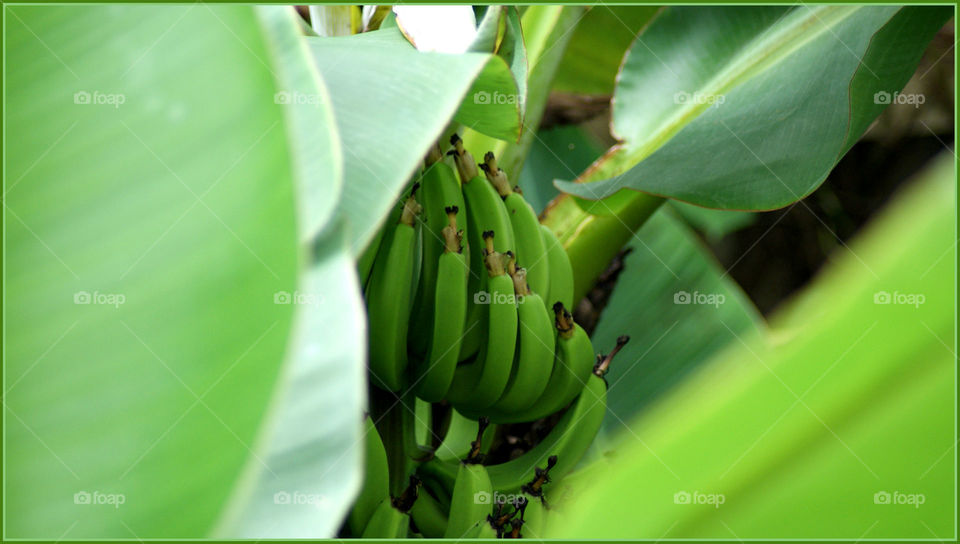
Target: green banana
{"x":571,"y":368}
{"x":387,"y":522}
{"x":530,"y":247}
{"x":534,"y":360}
{"x":388,"y":301}
{"x":435,"y":373}
{"x":472,"y":491}
{"x":391,"y":519}
{"x":532,"y":511}
{"x":485,"y":212}
{"x":561,"y":271}
{"x":439,"y":190}
{"x":456,"y":442}
{"x":382,"y":238}
{"x":479,"y":384}
{"x":375,"y":479}
{"x":570,"y":437}
{"x":480,"y":530}
{"x":428,"y":515}
{"x":369,"y":255}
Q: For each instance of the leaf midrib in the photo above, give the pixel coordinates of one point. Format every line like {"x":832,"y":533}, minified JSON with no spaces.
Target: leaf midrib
{"x":761,"y":53}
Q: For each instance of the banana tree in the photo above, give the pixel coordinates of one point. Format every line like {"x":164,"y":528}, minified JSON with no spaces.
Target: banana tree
{"x":195,"y":198}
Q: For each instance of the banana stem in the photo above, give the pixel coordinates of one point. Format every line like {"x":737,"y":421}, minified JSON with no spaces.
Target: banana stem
{"x":591,"y":241}
{"x":603,"y":363}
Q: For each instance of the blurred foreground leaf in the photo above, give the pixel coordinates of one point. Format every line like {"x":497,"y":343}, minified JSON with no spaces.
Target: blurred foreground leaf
{"x":838,"y":424}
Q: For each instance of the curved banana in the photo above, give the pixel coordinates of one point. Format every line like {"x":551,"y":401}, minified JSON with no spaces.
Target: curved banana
{"x":382,"y":238}
{"x":435,"y":373}
{"x":571,"y":367}
{"x":388,"y":301}
{"x":391,"y":519}
{"x":456,"y":441}
{"x":570,"y":437}
{"x":376,"y":477}
{"x":534,"y":361}
{"x":439,"y":190}
{"x":387,"y":522}
{"x":485,"y":212}
{"x":428,"y":515}
{"x":479,"y":384}
{"x":561,"y":271}
{"x":481,"y":529}
{"x":472,"y":491}
{"x":530,"y":247}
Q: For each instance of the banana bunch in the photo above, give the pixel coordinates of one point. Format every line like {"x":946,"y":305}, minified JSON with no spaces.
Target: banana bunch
{"x":469,"y":299}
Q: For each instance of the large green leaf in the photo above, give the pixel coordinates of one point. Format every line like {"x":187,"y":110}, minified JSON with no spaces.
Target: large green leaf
{"x":756,"y":105}
{"x":836,"y":425}
{"x":597,"y":46}
{"x":151,"y":245}
{"x":392,"y":104}
{"x":678,"y":309}
{"x":545,"y":33}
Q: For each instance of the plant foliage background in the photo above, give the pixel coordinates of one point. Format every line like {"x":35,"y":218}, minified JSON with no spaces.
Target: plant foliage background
{"x":187,"y":188}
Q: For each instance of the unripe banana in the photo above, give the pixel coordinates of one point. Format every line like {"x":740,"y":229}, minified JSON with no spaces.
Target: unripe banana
{"x":369,"y":256}
{"x":456,"y":441}
{"x":391,"y":519}
{"x":530,"y":248}
{"x":485,"y":212}
{"x":376,"y":477}
{"x":435,"y":373}
{"x":479,"y":384}
{"x":534,"y":361}
{"x":480,"y":530}
{"x":387,"y":522}
{"x":388,"y":302}
{"x":439,"y":190}
{"x":570,"y":437}
{"x":428,"y":515}
{"x":472,"y":491}
{"x":561,"y":271}
{"x":571,"y":367}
